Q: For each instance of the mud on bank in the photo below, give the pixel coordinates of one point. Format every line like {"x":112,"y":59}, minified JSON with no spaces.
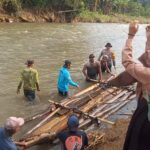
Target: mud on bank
{"x":37,"y":16}
{"x":114,"y":137}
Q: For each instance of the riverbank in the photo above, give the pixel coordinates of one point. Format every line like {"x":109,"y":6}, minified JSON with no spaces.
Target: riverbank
{"x":32,"y":16}
{"x":114,"y":137}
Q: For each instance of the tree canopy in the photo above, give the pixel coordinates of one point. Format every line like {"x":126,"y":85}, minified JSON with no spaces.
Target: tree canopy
{"x":132,"y":7}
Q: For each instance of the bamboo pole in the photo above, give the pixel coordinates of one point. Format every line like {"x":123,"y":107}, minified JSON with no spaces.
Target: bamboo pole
{"x":83,"y":113}
{"x":94,"y":102}
{"x":44,"y":120}
{"x":38,"y":115}
{"x":111,"y":100}
{"x":112,"y":107}
{"x":113,"y":111}
{"x":87,"y":121}
{"x":83,"y":122}
{"x":87,"y":90}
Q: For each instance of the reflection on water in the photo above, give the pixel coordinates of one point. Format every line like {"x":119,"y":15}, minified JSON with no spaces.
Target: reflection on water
{"x":49,"y":45}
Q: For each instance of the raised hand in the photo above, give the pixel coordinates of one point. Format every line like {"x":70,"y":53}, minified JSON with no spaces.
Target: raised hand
{"x":133,"y":28}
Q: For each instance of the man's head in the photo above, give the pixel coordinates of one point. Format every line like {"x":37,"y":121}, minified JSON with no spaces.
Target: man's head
{"x":13,"y":124}
{"x":91,"y":58}
{"x":108,"y":45}
{"x":29,"y":62}
{"x":105,"y":58}
{"x":73,"y":122}
{"x":67,"y":64}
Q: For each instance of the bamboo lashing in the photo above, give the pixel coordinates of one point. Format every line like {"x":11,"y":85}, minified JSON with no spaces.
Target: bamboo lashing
{"x":83,"y":113}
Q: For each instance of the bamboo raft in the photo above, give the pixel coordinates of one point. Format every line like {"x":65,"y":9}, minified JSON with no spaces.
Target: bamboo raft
{"x":93,"y":105}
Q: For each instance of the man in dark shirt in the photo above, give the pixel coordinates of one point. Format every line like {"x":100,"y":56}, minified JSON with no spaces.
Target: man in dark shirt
{"x":73,"y":139}
{"x":92,"y":69}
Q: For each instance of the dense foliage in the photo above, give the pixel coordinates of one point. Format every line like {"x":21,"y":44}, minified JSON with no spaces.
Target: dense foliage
{"x":132,"y":7}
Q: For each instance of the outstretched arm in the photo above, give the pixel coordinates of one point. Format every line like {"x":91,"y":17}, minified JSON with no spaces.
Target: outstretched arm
{"x":20,"y":84}
{"x":136,"y":70}
{"x":108,"y":70}
{"x":99,"y":58}
{"x":84,"y":70}
{"x":113,"y":59}
{"x":70,"y":81}
{"x":123,"y":79}
{"x":99,"y":71}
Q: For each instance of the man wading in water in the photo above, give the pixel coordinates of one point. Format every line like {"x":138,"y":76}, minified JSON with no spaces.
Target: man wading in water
{"x":104,"y":65}
{"x":138,"y":134}
{"x":64,"y":79}
{"x":30,"y":81}
{"x":92,"y":69}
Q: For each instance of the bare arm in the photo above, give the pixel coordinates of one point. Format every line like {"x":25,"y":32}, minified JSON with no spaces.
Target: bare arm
{"x":84,"y":70}
{"x":99,"y":71}
{"x":147,"y":48}
{"x":123,"y":79}
{"x":99,"y":58}
{"x":19,"y":87}
{"x":107,"y":69}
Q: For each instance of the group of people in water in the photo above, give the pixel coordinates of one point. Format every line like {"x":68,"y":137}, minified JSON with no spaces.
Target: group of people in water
{"x":92,"y":71}
{"x":137,"y":137}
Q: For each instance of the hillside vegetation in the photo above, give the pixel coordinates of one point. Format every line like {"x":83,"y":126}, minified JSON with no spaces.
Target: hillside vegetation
{"x":80,"y":10}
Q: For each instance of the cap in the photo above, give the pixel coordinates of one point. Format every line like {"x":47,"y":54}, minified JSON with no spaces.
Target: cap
{"x":67,"y":62}
{"x":73,"y":121}
{"x":108,"y":45}
{"x":91,"y":56}
{"x":13,"y":123}
{"x":29,"y":62}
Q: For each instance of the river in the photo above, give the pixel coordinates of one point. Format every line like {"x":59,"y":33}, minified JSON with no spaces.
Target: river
{"x":49,"y":45}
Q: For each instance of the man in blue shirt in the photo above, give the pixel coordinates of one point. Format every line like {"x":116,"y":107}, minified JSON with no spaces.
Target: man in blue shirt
{"x":11,"y":126}
{"x":64,"y":79}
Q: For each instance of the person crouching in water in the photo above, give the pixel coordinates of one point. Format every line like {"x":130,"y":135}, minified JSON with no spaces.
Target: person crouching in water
{"x":111,"y":56}
{"x":104,"y":65}
{"x":92,"y":69}
{"x":11,"y":126}
{"x":73,"y":138}
{"x":64,"y":79}
{"x":30,"y":81}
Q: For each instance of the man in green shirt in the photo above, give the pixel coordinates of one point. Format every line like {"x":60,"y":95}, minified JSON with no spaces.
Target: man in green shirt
{"x":30,"y":81}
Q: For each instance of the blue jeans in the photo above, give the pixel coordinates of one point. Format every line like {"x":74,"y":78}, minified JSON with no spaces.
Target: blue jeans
{"x":29,"y":94}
